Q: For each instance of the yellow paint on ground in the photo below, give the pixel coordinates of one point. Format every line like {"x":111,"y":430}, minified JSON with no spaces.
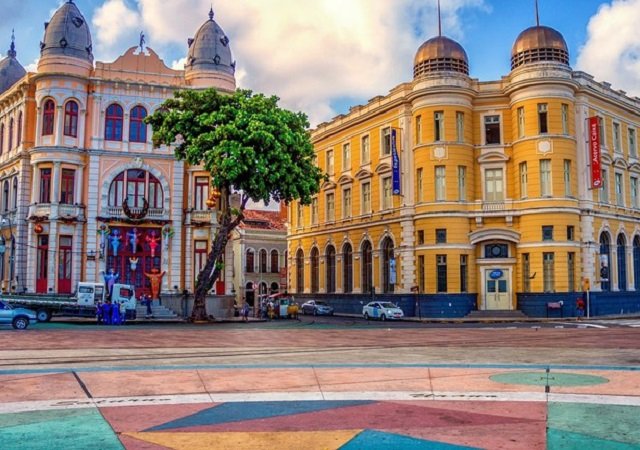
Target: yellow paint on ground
{"x":309,"y":440}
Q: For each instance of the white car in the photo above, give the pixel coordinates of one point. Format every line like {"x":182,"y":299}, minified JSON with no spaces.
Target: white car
{"x":382,"y":311}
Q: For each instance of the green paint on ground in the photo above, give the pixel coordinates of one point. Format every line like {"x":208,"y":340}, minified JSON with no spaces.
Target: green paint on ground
{"x":619,"y":425}
{"x":70,"y":429}
{"x":565,"y":440}
{"x":550,"y":379}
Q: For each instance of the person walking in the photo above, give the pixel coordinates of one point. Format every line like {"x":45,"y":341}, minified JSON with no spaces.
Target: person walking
{"x":580,"y":308}
{"x":245,"y":312}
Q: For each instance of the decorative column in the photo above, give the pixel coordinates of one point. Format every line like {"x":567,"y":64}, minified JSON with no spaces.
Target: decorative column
{"x":59,"y":125}
{"x":38,"y":133}
{"x":55,"y":183}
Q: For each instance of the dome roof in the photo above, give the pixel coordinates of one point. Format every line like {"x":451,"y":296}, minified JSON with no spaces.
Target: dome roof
{"x":209,"y":50}
{"x":67,"y":34}
{"x":440,"y":54}
{"x":538,"y":44}
{"x":10,"y":69}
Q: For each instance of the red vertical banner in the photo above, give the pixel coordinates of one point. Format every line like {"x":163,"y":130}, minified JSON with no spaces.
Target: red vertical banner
{"x":594,"y":153}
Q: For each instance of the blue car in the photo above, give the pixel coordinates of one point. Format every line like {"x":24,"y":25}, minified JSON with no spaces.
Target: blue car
{"x":317,"y":307}
{"x":19,"y":318}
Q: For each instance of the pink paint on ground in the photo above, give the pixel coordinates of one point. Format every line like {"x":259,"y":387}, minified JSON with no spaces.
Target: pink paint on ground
{"x":139,"y":418}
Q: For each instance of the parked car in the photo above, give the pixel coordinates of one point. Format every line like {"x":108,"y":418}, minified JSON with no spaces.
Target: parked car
{"x":382,"y":311}
{"x":20,"y":318}
{"x":317,"y":307}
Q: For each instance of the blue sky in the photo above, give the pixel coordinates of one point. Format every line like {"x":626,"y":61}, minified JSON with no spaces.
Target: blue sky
{"x":323,"y":56}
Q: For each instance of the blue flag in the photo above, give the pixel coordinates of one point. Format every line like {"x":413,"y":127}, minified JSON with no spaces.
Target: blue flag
{"x":395,"y":161}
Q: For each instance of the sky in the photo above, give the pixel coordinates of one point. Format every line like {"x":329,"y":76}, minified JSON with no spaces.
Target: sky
{"x":324,"y":56}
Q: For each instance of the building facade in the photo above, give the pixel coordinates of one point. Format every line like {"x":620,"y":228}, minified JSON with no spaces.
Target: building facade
{"x":84,"y":191}
{"x":491,"y":205}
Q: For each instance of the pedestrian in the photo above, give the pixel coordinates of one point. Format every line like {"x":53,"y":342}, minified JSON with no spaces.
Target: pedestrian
{"x":149,"y":310}
{"x":245,"y":312}
{"x":580,"y":308}
{"x":115,"y":313}
{"x":123,"y":313}
{"x":99,"y":312}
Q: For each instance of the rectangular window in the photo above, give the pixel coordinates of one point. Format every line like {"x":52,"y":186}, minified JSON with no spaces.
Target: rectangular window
{"x":571,"y":271}
{"x":346,"y":157}
{"x":604,"y":190}
{"x":633,"y":190}
{"x":421,"y":273}
{"x":300,"y":215}
{"x":464,"y":273}
{"x":419,"y":186}
{"x":565,"y":118}
{"x":567,"y":178}
{"x":330,"y":162}
{"x":494,"y":185}
{"x":617,"y":147}
{"x":547,"y":232}
{"x":571,"y":235}
{"x":418,"y":129}
{"x":542,"y":118}
{"x":67,"y":186}
{"x":462,"y":183}
{"x":633,"y":150}
{"x":440,"y":183}
{"x":603,"y":142}
{"x":420,"y":237}
{"x":438,"y":126}
{"x":526,"y":273}
{"x":619,"y":189}
{"x":441,"y":235}
{"x":331,"y":207}
{"x":200,"y":252}
{"x":346,"y":203}
{"x":545,"y":177}
{"x":366,"y":198}
{"x":201,"y":193}
{"x":365,"y":150}
{"x":314,"y":211}
{"x":441,"y":275}
{"x":523,"y":180}
{"x":387,"y":202}
{"x":548,"y":272}
{"x":459,"y":126}
{"x":386,"y":141}
{"x":492,"y":129}
{"x":45,"y":185}
{"x":521,"y":122}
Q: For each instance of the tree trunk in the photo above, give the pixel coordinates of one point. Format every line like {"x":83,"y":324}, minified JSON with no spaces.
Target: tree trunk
{"x":211,"y":271}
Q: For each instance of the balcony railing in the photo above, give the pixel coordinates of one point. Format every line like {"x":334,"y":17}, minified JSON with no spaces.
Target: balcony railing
{"x":117,"y":211}
{"x":497,"y":206}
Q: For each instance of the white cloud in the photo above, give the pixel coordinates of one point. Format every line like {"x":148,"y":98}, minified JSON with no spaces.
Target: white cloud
{"x":116,"y":28}
{"x":612,"y":50}
{"x":310,"y":54}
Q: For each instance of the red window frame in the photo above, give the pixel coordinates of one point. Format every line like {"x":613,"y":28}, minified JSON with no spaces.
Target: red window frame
{"x":45,"y":185}
{"x":71,"y":119}
{"x":200,"y":253}
{"x":275,"y":261}
{"x":201,"y":193}
{"x":113,"y":123}
{"x":137,"y":127}
{"x":48,"y":116}
{"x":67,"y":186}
{"x":42,"y":263}
{"x":64,"y":264}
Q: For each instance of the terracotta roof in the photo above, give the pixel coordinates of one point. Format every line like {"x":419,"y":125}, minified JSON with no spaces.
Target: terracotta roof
{"x":262,"y":220}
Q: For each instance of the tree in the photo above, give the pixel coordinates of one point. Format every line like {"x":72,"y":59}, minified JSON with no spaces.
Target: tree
{"x":250,"y":146}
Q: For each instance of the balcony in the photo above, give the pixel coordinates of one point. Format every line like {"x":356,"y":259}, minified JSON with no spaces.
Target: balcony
{"x":200,"y":217}
{"x":118,"y":212}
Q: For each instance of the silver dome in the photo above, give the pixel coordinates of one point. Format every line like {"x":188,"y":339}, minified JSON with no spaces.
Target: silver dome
{"x":10,"y":69}
{"x":209,"y":50}
{"x":67,"y":34}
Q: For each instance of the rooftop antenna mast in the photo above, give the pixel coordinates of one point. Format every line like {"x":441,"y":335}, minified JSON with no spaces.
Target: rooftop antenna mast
{"x":537,"y":16}
{"x":440,"y":20}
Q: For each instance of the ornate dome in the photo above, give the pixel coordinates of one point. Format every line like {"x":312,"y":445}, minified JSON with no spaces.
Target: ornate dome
{"x":67,"y":34}
{"x":440,"y":54}
{"x":209,"y":50}
{"x":539,"y":44}
{"x":10,"y":69}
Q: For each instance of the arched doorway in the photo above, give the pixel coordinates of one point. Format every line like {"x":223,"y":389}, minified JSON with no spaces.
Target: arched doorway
{"x":621,"y":251}
{"x":605,"y":259}
{"x":388,"y":266}
{"x":347,"y":268}
{"x":331,"y":269}
{"x":300,"y":271}
{"x":315,"y":270}
{"x":367,"y":267}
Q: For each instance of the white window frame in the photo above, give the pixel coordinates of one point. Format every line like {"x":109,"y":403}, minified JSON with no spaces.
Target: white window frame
{"x":365,"y":197}
{"x":619,"y":188}
{"x":633,"y":142}
{"x":497,"y":195}
{"x":603,"y":134}
{"x":346,"y":203}
{"x":300,"y":216}
{"x":520,"y":113}
{"x":546,"y":178}
{"x":524,"y":180}
{"x":365,"y":149}
{"x":438,"y":126}
{"x":462,"y":183}
{"x":314,"y":211}
{"x":460,"y":126}
{"x":483,"y":128}
{"x":418,"y":129}
{"x":386,"y":198}
{"x":440,"y":183}
{"x":346,"y":156}
{"x":565,"y":118}
{"x":330,"y":161}
{"x":617,"y":137}
{"x":603,"y":192}
{"x":633,"y":190}
{"x":567,"y":178}
{"x":385,"y":141}
{"x":543,"y":108}
{"x":419,"y":184}
{"x":330,"y":202}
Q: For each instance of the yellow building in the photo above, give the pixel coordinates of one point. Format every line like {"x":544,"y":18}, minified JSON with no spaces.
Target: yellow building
{"x":495,"y":209}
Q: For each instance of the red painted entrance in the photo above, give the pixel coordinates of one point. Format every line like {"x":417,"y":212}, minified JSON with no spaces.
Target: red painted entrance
{"x":131,"y":257}
{"x":64,"y":265}
{"x":42,"y":263}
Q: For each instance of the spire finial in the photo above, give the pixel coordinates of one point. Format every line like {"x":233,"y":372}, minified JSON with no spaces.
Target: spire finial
{"x":537,"y":16}
{"x":12,"y":48}
{"x":439,"y":20}
{"x":211,"y":13}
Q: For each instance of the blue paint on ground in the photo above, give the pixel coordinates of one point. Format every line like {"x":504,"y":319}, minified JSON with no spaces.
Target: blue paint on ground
{"x":379,"y":440}
{"x":234,"y":412}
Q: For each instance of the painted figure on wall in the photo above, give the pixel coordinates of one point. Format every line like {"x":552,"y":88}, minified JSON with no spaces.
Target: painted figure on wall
{"x":116,"y":240}
{"x":134,"y":239}
{"x":153,"y":240}
{"x":110,"y":279}
{"x":155,"y":278}
{"x":103,"y":232}
{"x":133,"y":263}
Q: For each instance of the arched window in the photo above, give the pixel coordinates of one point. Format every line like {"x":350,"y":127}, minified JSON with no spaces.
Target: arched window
{"x":1,"y":138}
{"x":605,"y":260}
{"x":249,"y":262}
{"x":315,"y":270}
{"x":263,"y":261}
{"x":367,"y":267}
{"x":71,"y":119}
{"x":300,"y":272}
{"x":636,"y":262}
{"x":19,"y":137}
{"x":275,"y":261}
{"x":347,"y":268}
{"x":621,"y":251}
{"x":331,"y":269}
{"x":48,"y":115}
{"x":274,"y":287}
{"x":137,"y":127}
{"x":113,"y":123}
{"x":388,"y":266}
{"x":136,"y":185}
{"x":10,"y":147}
{"x":5,"y":196}
{"x":15,"y":193}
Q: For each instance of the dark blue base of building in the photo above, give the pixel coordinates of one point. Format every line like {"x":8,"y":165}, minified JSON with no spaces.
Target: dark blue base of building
{"x":600,"y":303}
